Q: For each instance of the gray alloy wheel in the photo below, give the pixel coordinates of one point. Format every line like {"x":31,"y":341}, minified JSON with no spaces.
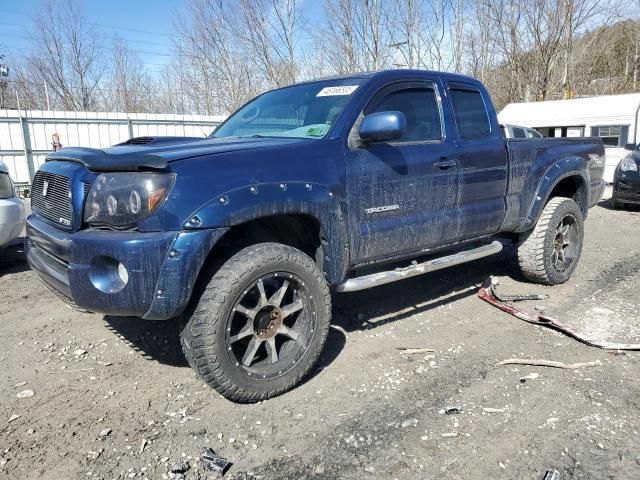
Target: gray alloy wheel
{"x":550,"y":252}
{"x":260,"y":324}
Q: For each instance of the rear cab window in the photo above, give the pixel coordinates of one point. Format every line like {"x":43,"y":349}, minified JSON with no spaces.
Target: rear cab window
{"x":470,"y":112}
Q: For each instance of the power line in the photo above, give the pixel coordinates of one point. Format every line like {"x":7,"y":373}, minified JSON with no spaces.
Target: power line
{"x":99,"y":47}
{"x":114,"y":27}
{"x":127,"y":39}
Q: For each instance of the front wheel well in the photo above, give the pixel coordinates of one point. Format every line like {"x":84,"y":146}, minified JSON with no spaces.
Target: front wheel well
{"x":303,"y":232}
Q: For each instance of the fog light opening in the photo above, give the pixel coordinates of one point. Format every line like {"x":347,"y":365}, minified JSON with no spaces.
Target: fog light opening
{"x":108,"y":275}
{"x":123,"y":273}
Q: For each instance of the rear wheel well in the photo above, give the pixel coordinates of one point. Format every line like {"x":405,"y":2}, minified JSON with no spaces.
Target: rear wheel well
{"x":574,"y":188}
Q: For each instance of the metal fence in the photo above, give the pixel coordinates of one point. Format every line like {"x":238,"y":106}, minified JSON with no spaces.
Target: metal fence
{"x":26,"y":136}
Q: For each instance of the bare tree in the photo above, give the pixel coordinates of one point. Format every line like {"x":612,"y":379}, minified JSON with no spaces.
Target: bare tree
{"x":130,"y":87}
{"x":65,"y":56}
{"x":358,"y":34}
{"x":214,"y":73}
{"x":268,"y":32}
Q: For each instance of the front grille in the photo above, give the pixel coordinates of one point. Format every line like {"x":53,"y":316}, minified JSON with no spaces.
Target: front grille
{"x":51,"y":199}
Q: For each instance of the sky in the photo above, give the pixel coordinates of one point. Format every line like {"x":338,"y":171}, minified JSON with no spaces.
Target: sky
{"x":145,"y":24}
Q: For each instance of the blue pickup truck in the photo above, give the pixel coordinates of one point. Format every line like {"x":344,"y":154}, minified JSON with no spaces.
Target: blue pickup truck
{"x":332,"y":185}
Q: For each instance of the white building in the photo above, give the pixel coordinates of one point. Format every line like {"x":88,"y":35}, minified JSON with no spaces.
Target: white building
{"x":614,"y":118}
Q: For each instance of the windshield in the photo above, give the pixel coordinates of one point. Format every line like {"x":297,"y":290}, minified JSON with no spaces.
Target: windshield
{"x":300,"y":111}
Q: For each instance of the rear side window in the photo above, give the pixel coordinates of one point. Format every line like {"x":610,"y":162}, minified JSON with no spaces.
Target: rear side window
{"x":518,"y":133}
{"x":471,"y":114}
{"x":420,"y":108}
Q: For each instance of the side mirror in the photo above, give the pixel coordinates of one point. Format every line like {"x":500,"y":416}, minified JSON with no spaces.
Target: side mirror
{"x":629,"y":146}
{"x":383,"y":126}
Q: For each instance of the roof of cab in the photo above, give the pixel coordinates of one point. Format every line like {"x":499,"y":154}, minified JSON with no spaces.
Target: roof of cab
{"x":393,"y":73}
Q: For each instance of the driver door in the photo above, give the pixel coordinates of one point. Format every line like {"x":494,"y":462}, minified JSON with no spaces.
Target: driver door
{"x":402,"y":194}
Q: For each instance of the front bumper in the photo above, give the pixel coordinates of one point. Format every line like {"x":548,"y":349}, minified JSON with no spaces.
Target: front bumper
{"x":11,"y":219}
{"x":149,"y":275}
{"x":596,"y":192}
{"x":626,"y":187}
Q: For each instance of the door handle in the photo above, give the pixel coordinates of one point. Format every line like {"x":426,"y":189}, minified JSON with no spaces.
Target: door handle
{"x":445,"y":163}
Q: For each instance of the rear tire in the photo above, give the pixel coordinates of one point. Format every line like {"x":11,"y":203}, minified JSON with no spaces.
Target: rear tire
{"x":550,"y":252}
{"x":260,"y":324}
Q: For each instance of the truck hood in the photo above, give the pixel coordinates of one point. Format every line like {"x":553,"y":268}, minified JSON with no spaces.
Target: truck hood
{"x":155,"y":153}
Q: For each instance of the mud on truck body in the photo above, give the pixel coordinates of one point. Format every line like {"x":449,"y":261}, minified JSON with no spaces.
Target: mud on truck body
{"x":332,"y":185}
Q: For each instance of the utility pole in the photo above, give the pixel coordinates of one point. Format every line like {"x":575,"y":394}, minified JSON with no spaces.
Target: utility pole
{"x":398,"y":46}
{"x":46,"y":95}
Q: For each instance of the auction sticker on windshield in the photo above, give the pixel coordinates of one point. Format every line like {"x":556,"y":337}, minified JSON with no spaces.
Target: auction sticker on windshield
{"x":336,"y":91}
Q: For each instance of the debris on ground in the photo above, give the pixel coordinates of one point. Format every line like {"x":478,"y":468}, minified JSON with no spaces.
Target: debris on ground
{"x":415,"y":351}
{"x":492,"y":410}
{"x":93,"y":455}
{"x":487,"y":293}
{"x":504,"y":297}
{"x":180,"y":467}
{"x":452,"y":410}
{"x":13,"y":417}
{"x":552,"y":475}
{"x":549,"y":363}
{"x":105,"y":432}
{"x":213,"y":462}
{"x":25,"y":394}
{"x":531,"y":376}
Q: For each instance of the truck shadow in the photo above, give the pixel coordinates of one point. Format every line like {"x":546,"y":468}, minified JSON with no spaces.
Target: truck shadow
{"x":606,"y":204}
{"x":394,"y":302}
{"x":366,"y":310}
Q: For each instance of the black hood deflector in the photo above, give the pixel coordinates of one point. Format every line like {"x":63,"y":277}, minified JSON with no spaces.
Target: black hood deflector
{"x":155,"y":153}
{"x":100,"y":161}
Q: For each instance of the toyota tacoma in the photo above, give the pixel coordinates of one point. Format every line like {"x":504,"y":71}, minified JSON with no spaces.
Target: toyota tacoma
{"x":338,"y":184}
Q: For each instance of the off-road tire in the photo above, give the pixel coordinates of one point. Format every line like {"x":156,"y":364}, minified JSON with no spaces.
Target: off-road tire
{"x":204,"y":326}
{"x":536,"y":247}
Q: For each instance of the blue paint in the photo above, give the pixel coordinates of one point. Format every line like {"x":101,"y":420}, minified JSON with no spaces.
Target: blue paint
{"x":374,"y":201}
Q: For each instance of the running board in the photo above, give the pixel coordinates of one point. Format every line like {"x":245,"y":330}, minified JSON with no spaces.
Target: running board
{"x":382,"y":278}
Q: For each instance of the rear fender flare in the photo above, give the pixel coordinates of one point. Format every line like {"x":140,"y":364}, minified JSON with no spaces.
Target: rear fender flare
{"x":558,"y":171}
{"x":253,"y":202}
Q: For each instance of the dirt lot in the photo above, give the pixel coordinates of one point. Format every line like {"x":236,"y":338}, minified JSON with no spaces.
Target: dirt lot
{"x":113,"y":397}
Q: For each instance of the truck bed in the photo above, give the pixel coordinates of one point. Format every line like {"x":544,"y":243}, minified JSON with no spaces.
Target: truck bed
{"x":533,"y":159}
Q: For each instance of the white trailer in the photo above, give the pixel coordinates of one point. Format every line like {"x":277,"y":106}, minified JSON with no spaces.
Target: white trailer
{"x":613,"y":118}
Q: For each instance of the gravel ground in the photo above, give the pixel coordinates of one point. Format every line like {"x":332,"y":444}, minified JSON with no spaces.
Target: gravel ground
{"x":87,"y":396}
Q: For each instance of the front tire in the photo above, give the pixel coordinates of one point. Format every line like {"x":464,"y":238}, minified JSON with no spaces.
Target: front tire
{"x":260,"y":324}
{"x":549,"y":253}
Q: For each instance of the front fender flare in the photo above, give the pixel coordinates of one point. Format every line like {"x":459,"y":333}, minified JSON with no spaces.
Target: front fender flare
{"x":253,"y":202}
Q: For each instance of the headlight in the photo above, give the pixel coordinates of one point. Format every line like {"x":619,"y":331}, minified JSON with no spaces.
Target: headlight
{"x":628,"y":164}
{"x":6,"y":186}
{"x":121,"y":200}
